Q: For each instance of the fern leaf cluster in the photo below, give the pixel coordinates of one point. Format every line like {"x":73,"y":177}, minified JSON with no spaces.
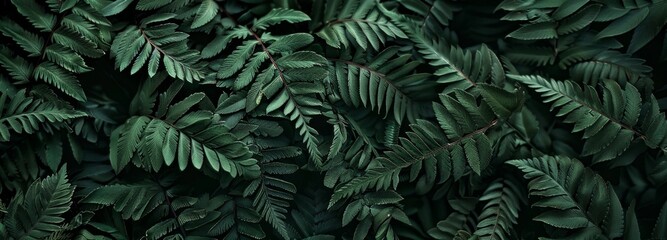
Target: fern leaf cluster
{"x":333,"y":119}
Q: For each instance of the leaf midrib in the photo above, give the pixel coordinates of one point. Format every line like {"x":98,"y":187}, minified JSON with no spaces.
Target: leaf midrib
{"x":569,"y":196}
{"x":432,"y":152}
{"x":51,"y":112}
{"x":584,"y":104}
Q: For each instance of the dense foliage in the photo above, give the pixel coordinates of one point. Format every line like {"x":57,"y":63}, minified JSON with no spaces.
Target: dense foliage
{"x":336,"y":119}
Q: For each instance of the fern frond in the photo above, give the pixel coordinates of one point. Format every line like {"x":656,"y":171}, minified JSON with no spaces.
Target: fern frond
{"x":238,"y":221}
{"x":77,"y":30}
{"x":356,"y":22}
{"x":459,"y":219}
{"x":310,"y":212}
{"x":290,"y":79}
{"x":175,"y":133}
{"x":504,"y":200}
{"x":246,"y":53}
{"x":17,"y":67}
{"x":459,"y":68}
{"x":132,"y":201}
{"x":191,"y":139}
{"x":30,"y":42}
{"x":383,"y":83}
{"x":22,"y":113}
{"x":183,"y":212}
{"x":573,"y":197}
{"x":153,"y":42}
{"x":340,"y":134}
{"x":440,"y":151}
{"x":60,"y":78}
{"x":205,"y":13}
{"x":39,"y":18}
{"x":294,"y":99}
{"x":170,"y":215}
{"x":609,"y":125}
{"x":271,"y":193}
{"x":333,"y":119}
{"x":612,"y":65}
{"x":375,"y":211}
{"x":38,"y":212}
{"x":272,"y":197}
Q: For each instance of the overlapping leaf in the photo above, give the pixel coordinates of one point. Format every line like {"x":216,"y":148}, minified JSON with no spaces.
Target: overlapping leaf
{"x":609,"y":124}
{"x":573,"y":196}
{"x":448,"y":150}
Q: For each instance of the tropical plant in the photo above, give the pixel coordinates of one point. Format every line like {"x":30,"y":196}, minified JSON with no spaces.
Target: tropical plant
{"x":333,"y":119}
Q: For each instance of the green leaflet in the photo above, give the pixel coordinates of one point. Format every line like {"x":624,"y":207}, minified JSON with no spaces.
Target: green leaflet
{"x":276,"y":16}
{"x":205,"y":13}
{"x":62,"y":80}
{"x":656,"y":19}
{"x":17,"y":67}
{"x":502,"y":102}
{"x":39,"y":18}
{"x":30,"y":42}
{"x":143,"y":198}
{"x":537,"y":31}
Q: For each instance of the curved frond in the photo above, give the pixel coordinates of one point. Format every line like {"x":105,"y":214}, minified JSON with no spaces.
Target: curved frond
{"x":153,"y":43}
{"x":25,"y":114}
{"x":612,"y":65}
{"x":573,"y":197}
{"x":383,"y":83}
{"x":356,"y":23}
{"x":37,"y":213}
{"x":609,"y":125}
{"x":457,"y":67}
{"x":175,"y":134}
{"x":132,"y":201}
{"x":441,"y":151}
{"x":504,"y":200}
{"x":74,"y":30}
